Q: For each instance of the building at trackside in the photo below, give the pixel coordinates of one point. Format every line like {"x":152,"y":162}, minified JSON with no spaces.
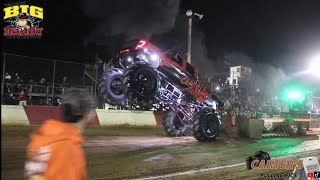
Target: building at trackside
{"x":239,"y":75}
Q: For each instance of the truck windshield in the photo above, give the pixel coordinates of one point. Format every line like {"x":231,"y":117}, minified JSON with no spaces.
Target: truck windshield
{"x":130,"y":44}
{"x":190,"y":69}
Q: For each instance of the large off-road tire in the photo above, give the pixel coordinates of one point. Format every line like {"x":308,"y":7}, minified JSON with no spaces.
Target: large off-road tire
{"x":110,"y":87}
{"x":292,"y":129}
{"x":141,"y":83}
{"x":173,"y":125}
{"x":302,"y":129}
{"x":206,"y":126}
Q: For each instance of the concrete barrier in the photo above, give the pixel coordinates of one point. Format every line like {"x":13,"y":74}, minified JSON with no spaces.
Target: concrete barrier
{"x":120,"y":117}
{"x":228,"y":124}
{"x":36,"y":115}
{"x":249,"y":127}
{"x":159,"y":117}
{"x":13,"y":115}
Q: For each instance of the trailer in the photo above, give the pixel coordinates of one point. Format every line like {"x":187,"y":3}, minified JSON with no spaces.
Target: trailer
{"x":291,"y":123}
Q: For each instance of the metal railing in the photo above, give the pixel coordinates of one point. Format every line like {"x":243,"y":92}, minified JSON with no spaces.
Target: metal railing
{"x":41,"y":93}
{"x":80,"y":75}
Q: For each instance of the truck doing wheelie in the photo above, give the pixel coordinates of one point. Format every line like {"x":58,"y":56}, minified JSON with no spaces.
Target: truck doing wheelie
{"x":142,"y":74}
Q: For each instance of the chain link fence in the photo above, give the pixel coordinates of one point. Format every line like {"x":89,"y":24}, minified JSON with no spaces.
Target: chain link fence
{"x":41,"y":81}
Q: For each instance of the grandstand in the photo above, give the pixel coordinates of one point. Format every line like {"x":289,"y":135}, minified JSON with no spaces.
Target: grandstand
{"x":43,"y":80}
{"x":26,"y":73}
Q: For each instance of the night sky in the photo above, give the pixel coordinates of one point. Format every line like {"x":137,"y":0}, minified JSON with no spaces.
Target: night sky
{"x":280,"y":33}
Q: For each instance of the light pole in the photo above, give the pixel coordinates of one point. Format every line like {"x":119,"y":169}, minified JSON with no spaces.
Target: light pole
{"x":190,"y":14}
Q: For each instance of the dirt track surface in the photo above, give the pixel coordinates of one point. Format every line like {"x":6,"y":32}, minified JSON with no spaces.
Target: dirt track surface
{"x":121,"y":144}
{"x":163,"y":157}
{"x":136,"y":153}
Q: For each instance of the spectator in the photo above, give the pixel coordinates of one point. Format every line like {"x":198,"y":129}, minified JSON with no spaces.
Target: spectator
{"x":24,"y":77}
{"x":15,"y":76}
{"x":22,"y":98}
{"x":32,"y":82}
{"x":23,"y":83}
{"x":49,"y":102}
{"x":8,"y":78}
{"x":99,"y":66}
{"x":65,"y":82}
{"x":9,"y":99}
{"x":7,"y":88}
{"x":106,"y":66}
{"x":32,"y":85}
{"x":17,"y":84}
{"x":42,"y":84}
{"x":56,"y":101}
{"x":56,"y":146}
{"x":99,"y":62}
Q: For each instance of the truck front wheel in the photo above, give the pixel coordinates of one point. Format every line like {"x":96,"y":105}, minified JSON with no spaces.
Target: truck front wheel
{"x":206,"y":126}
{"x":141,"y":83}
{"x":110,"y":87}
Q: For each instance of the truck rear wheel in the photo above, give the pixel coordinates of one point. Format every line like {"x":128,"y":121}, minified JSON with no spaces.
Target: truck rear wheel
{"x":206,"y":126}
{"x":292,"y":129}
{"x":297,"y":128}
{"x":302,"y":129}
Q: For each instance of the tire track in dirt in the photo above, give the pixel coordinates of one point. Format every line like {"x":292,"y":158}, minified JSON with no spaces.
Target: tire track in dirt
{"x":204,"y":170}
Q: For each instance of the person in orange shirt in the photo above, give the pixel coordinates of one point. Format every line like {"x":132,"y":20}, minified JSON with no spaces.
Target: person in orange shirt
{"x":55,"y":150}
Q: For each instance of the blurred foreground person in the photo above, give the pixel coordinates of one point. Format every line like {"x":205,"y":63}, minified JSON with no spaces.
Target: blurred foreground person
{"x":55,"y":150}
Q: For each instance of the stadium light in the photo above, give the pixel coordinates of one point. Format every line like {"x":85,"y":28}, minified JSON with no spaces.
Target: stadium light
{"x":294,"y":95}
{"x":314,"y":67}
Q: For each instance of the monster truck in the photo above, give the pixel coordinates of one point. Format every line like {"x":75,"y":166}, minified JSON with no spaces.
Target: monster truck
{"x":142,"y":74}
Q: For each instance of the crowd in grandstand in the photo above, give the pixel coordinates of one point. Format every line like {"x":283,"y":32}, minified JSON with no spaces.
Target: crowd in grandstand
{"x":17,"y":87}
{"x":244,"y":103}
{"x":244,"y":100}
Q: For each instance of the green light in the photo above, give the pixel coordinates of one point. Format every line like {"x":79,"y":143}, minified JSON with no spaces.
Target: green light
{"x":294,"y":95}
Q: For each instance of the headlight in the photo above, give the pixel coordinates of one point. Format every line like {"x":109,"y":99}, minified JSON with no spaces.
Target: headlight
{"x":143,"y":57}
{"x":154,"y":60}
{"x":154,"y":57}
{"x":151,"y":58}
{"x":129,"y":59}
